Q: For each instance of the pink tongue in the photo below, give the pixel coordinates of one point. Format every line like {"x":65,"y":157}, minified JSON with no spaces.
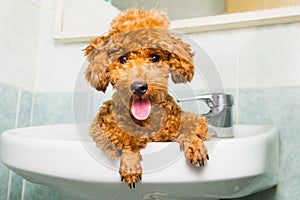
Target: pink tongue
{"x":141,"y":109}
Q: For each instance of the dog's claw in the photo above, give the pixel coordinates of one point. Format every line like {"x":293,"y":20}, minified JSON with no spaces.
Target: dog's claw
{"x":199,"y":163}
{"x":131,"y":185}
{"x":196,"y":153}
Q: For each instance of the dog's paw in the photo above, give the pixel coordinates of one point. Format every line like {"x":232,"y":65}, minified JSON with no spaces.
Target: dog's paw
{"x":130,"y":168}
{"x":196,"y":153}
{"x":131,"y":177}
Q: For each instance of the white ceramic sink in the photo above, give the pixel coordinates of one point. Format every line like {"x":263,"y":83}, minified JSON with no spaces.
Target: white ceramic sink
{"x":56,"y":157}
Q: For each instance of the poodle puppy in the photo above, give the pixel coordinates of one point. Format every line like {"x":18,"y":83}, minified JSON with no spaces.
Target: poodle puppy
{"x":136,"y":57}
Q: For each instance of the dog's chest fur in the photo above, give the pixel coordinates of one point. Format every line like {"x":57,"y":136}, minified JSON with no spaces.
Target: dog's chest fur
{"x":162,"y":125}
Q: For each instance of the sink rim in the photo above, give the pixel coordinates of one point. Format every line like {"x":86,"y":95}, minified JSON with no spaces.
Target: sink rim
{"x":223,"y":144}
{"x":64,"y":175}
{"x":25,"y":135}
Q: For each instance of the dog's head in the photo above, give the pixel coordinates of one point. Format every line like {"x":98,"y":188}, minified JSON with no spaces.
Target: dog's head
{"x":136,"y":57}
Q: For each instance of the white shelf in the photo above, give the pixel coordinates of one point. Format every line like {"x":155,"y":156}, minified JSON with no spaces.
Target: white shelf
{"x":201,"y":24}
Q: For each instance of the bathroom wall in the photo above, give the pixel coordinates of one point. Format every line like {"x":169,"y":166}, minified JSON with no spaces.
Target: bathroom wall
{"x":37,"y":77}
{"x":259,"y":65}
{"x":262,"y":66}
{"x":18,"y":44}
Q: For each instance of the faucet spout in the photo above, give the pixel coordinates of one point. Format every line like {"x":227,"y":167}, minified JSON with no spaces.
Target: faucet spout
{"x":206,"y":98}
{"x":220,"y":115}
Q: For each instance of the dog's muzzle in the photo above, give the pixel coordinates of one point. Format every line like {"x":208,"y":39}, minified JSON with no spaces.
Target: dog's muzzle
{"x":141,"y":107}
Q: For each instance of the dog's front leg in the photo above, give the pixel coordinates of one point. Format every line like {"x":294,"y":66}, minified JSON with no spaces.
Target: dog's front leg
{"x":193,"y":131}
{"x":131,"y":168}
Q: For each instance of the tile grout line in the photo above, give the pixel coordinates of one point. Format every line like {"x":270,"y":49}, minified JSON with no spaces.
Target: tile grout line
{"x":18,"y":109}
{"x":237,"y":109}
{"x":23,"y":189}
{"x":30,"y":124}
{"x":237,"y":90}
{"x":9,"y":185}
{"x":32,"y":109}
{"x":15,"y":126}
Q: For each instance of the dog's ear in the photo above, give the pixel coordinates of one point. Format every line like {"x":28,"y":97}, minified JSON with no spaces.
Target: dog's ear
{"x":96,"y":73}
{"x":181,"y":65}
{"x":97,"y":76}
{"x":181,"y":70}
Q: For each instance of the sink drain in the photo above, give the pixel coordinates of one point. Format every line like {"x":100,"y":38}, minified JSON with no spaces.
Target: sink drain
{"x":154,"y":195}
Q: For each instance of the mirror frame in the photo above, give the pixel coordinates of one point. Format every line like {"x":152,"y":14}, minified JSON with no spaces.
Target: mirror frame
{"x":191,"y":25}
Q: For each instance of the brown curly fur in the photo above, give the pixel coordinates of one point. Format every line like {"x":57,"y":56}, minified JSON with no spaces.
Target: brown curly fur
{"x":138,"y":35}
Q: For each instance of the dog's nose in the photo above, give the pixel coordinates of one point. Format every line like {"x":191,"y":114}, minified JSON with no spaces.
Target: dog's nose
{"x":139,"y":88}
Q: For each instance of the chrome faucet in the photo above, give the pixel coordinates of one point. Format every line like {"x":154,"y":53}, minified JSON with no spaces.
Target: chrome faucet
{"x":220,"y":115}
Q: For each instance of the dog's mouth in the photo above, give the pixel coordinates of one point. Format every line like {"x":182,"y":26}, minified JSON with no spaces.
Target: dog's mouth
{"x":140,"y":108}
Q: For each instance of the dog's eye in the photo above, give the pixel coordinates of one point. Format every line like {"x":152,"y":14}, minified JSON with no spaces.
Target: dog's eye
{"x":154,"y":58}
{"x":123,"y":59}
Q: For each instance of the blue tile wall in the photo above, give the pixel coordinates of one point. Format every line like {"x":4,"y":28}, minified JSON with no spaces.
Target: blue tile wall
{"x":8,"y":106}
{"x":8,"y":109}
{"x":280,"y":106}
{"x":52,"y":108}
{"x":83,"y":107}
{"x":47,"y":109}
{"x":3,"y":181}
{"x":25,"y":109}
{"x":16,"y":186}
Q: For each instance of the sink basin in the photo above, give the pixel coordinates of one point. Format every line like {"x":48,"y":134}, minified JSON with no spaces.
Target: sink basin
{"x":58,"y":157}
